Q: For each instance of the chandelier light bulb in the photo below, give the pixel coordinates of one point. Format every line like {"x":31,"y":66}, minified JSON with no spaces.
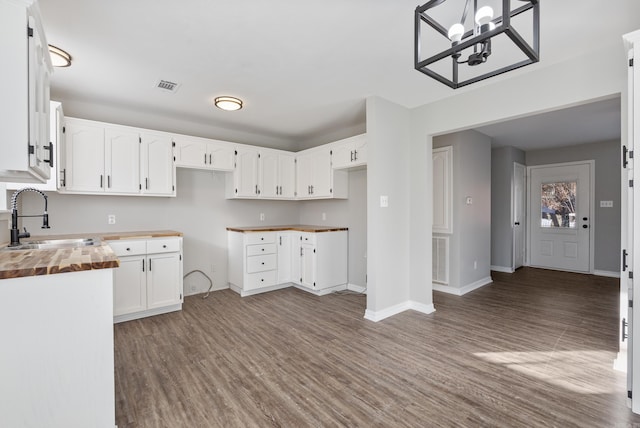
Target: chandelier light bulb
{"x":456,"y":32}
{"x":484,"y":15}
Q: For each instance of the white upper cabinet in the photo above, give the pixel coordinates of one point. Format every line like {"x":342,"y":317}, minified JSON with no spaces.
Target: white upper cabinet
{"x":315,"y":177}
{"x":24,"y":105}
{"x":122,"y":160}
{"x":245,"y":175}
{"x":277,"y":174}
{"x":157,"y":168}
{"x":350,"y":152}
{"x":201,"y":153}
{"x":84,"y":160}
{"x":100,"y":158}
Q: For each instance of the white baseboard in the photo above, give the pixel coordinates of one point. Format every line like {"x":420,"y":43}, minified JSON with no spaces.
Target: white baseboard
{"x":606,"y":273}
{"x":195,"y":293}
{"x":357,"y":288}
{"x":463,"y":290}
{"x":376,"y":316}
{"x":322,"y":292}
{"x":502,"y":269}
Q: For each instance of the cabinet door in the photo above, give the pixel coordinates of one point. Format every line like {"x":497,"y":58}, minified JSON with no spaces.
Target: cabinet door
{"x":322,"y":174}
{"x":269,"y":175}
{"x":308,"y":265}
{"x":191,"y":153}
{"x":296,"y":257}
{"x":164,"y":280}
{"x":221,"y":156}
{"x":342,"y":155}
{"x":360,"y":149}
{"x":122,"y":160}
{"x":285,"y":257}
{"x":246,"y":173}
{"x":129,"y":286}
{"x":84,"y":150}
{"x":38,"y":103}
{"x":304,"y":164}
{"x":287,"y":173}
{"x":158,"y":170}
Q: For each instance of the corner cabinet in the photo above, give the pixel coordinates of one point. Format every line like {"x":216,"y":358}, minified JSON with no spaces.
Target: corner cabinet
{"x":149,"y":279}
{"x":27,"y":152}
{"x":100,"y":158}
{"x":315,"y":177}
{"x":264,"y":261}
{"x":350,"y":152}
{"x":201,"y":153}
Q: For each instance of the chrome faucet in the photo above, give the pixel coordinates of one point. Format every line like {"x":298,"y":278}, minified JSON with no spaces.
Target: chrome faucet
{"x":15,"y":232}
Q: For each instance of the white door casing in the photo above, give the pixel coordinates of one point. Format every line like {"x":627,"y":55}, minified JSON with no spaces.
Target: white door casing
{"x":519,"y":206}
{"x":561,"y":235}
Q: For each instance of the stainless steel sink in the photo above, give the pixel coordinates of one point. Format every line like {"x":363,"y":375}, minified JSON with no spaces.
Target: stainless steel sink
{"x":52,"y":244}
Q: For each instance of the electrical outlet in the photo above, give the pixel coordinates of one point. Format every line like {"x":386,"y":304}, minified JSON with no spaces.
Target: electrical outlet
{"x":384,"y":201}
{"x":324,"y":216}
{"x":111,"y":219}
{"x":261,"y":216}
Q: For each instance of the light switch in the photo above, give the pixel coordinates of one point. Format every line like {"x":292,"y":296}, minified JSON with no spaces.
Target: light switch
{"x":384,"y":201}
{"x":606,"y":204}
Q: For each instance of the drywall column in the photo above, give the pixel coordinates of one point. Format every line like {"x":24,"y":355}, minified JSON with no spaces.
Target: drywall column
{"x":387,"y":227}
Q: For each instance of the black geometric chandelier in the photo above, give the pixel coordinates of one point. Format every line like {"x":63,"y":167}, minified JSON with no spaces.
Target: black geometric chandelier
{"x":458,"y":42}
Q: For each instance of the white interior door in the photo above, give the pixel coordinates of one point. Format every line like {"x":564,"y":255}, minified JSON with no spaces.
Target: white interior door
{"x":560,"y":216}
{"x":519,"y":215}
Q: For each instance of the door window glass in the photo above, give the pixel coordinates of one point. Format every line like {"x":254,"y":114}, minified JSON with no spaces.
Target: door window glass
{"x":558,"y":205}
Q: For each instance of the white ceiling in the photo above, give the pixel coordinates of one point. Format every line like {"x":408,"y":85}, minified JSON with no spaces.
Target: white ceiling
{"x":303,"y":69}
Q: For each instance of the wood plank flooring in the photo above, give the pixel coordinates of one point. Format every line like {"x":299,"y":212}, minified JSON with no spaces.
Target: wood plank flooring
{"x":533,"y":349}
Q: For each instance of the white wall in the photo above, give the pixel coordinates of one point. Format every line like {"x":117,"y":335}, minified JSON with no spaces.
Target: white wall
{"x":470,"y":242}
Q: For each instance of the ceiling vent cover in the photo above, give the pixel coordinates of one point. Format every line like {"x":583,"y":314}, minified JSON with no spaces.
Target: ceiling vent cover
{"x":168,"y":86}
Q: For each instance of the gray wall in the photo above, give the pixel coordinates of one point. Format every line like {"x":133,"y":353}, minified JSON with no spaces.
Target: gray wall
{"x":471,"y":239}
{"x":202,"y":213}
{"x":351,"y":213}
{"x":607,"y":182}
{"x":502,"y":160}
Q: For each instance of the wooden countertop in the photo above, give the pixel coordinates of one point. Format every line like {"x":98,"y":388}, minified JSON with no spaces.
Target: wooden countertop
{"x":20,"y":263}
{"x":296,"y":227}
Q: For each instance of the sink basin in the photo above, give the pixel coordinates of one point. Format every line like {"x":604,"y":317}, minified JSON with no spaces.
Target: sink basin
{"x":52,"y":244}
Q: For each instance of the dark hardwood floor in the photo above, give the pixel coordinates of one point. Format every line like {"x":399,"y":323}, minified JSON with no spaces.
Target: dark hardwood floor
{"x":533,"y":349}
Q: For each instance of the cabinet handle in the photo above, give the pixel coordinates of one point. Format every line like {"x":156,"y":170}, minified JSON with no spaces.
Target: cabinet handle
{"x":256,"y":189}
{"x":101,"y":179}
{"x":50,"y":148}
{"x":146,"y":183}
{"x":210,"y":159}
{"x":281,"y":240}
{"x":312,"y":190}
{"x":63,"y":180}
{"x":149,"y":265}
{"x":351,"y":155}
{"x":355,"y":155}
{"x":142,"y":262}
{"x":300,"y":251}
{"x":109,"y":181}
{"x":205,"y":158}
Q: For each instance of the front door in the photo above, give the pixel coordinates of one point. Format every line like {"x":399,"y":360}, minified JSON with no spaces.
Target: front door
{"x":560,"y":216}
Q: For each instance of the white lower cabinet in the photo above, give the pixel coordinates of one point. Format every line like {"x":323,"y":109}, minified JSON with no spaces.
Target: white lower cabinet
{"x":149,"y":279}
{"x":262,"y":261}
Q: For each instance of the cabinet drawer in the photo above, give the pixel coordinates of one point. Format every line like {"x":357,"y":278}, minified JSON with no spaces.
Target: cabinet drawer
{"x":260,"y":238}
{"x":162,"y":245}
{"x":128,"y":248}
{"x":256,"y":250}
{"x":259,"y":280}
{"x":261,"y":263}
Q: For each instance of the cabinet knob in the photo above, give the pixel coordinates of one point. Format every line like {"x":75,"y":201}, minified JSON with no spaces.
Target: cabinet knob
{"x":128,"y":249}
{"x":164,"y":246}
{"x":262,"y":263}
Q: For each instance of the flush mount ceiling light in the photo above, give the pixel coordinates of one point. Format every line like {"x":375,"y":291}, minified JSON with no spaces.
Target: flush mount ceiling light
{"x":443,"y":31}
{"x":59,"y":58}
{"x":228,"y":103}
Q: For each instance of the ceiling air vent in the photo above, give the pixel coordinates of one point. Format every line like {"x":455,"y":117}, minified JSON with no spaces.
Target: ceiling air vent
{"x":167,"y":85}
